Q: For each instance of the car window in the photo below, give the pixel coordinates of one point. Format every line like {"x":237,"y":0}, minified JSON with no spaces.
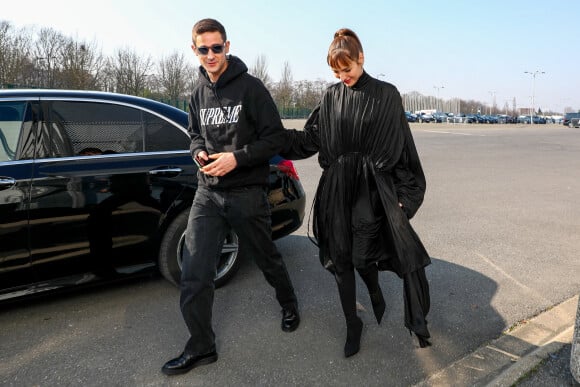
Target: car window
{"x":161,"y":135}
{"x":73,"y":127}
{"x":89,"y":128}
{"x":11,"y":114}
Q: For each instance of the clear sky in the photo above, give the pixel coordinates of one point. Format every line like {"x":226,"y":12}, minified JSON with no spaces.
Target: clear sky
{"x":474,"y":50}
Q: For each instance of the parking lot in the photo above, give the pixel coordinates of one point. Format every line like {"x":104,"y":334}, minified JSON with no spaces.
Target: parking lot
{"x":500,"y":221}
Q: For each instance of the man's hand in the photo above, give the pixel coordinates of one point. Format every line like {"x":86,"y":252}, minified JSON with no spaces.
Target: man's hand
{"x":221,"y":164}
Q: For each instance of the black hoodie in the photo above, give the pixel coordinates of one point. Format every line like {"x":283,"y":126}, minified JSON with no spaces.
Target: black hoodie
{"x":236,"y":114}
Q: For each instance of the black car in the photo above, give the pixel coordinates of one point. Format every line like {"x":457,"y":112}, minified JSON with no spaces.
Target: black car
{"x":97,"y":186}
{"x":568,"y":117}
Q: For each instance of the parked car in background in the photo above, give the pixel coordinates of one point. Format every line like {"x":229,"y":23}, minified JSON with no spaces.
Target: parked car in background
{"x":506,"y":119}
{"x":524,"y":119}
{"x":539,"y":120}
{"x":478,"y":118}
{"x":439,"y":117}
{"x":424,"y":117}
{"x":471,"y":119}
{"x":555,"y":119}
{"x":568,"y":118}
{"x":528,"y":120}
{"x":98,"y":186}
{"x":411,"y":117}
{"x":457,"y":118}
{"x":489,"y":119}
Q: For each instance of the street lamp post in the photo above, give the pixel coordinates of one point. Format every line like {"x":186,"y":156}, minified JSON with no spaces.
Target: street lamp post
{"x":492,"y":93}
{"x":438,"y":88}
{"x":533,"y":74}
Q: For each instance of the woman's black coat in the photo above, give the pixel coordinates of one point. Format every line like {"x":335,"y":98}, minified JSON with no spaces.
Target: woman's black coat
{"x":370,"y":168}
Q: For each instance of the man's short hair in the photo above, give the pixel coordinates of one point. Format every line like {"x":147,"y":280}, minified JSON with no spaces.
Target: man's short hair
{"x":208,"y":25}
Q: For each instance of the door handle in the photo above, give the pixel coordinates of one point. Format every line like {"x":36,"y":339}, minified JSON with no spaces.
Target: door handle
{"x":7,"y":182}
{"x":166,"y":172}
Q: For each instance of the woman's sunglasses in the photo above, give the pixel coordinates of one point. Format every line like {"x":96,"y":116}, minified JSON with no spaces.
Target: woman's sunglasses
{"x":216,"y":49}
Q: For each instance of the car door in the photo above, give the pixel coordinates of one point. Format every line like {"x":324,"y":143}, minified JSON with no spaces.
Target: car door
{"x":16,"y":162}
{"x":93,"y":210}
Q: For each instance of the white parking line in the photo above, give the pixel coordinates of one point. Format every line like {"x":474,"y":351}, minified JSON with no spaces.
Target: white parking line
{"x":524,"y":287}
{"x":458,"y":133}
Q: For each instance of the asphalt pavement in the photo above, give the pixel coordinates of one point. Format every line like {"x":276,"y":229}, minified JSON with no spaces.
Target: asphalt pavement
{"x":500,"y":221}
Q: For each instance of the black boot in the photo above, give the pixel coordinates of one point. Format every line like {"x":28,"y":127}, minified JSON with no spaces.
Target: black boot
{"x":354,"y":325}
{"x":353,"y":335}
{"x":370,"y":276}
{"x":423,"y":341}
{"x":378,"y":303}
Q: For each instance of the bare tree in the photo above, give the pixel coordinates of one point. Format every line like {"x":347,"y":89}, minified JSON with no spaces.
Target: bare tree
{"x":15,"y":66}
{"x":282,"y":93}
{"x":414,"y":101}
{"x":46,"y":55}
{"x":307,"y":94}
{"x":173,"y":76}
{"x":192,"y":73}
{"x":130,"y":72}
{"x":260,"y":71}
{"x":107,"y":77}
{"x":50,"y":59}
{"x":81,"y":66}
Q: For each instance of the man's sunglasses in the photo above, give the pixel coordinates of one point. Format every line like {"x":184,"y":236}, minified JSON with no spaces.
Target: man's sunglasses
{"x":216,"y":49}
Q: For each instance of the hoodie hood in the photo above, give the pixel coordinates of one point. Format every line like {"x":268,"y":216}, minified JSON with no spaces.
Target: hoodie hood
{"x":234,"y":69}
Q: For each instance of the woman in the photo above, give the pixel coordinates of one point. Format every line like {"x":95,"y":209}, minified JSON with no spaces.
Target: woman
{"x":372,"y":184}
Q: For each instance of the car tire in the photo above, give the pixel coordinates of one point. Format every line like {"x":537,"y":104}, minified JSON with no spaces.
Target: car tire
{"x":170,"y":253}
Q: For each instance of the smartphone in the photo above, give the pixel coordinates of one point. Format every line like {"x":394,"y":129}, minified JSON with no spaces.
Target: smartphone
{"x":201,"y":162}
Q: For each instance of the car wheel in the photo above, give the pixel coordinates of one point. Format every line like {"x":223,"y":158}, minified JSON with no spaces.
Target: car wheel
{"x":172,"y":244}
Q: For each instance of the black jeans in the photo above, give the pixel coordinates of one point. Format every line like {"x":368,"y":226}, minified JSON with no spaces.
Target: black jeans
{"x":214,"y":212}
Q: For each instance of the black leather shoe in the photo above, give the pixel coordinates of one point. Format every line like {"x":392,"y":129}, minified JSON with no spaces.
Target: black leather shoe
{"x":185,"y":363}
{"x":290,"y":319}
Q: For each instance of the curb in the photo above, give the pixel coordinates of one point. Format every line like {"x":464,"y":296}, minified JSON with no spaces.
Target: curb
{"x":575,"y":354}
{"x":506,"y":359}
{"x":530,"y":361}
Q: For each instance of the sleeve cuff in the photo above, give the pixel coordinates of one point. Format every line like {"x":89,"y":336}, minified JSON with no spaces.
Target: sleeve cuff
{"x":241,"y":158}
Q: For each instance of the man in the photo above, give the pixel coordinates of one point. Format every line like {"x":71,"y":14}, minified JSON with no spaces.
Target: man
{"x":235,"y":129}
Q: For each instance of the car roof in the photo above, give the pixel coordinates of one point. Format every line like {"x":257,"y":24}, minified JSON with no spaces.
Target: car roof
{"x":172,"y":112}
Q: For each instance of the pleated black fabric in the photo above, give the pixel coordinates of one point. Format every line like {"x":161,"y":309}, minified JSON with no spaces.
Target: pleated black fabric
{"x":370,"y":165}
